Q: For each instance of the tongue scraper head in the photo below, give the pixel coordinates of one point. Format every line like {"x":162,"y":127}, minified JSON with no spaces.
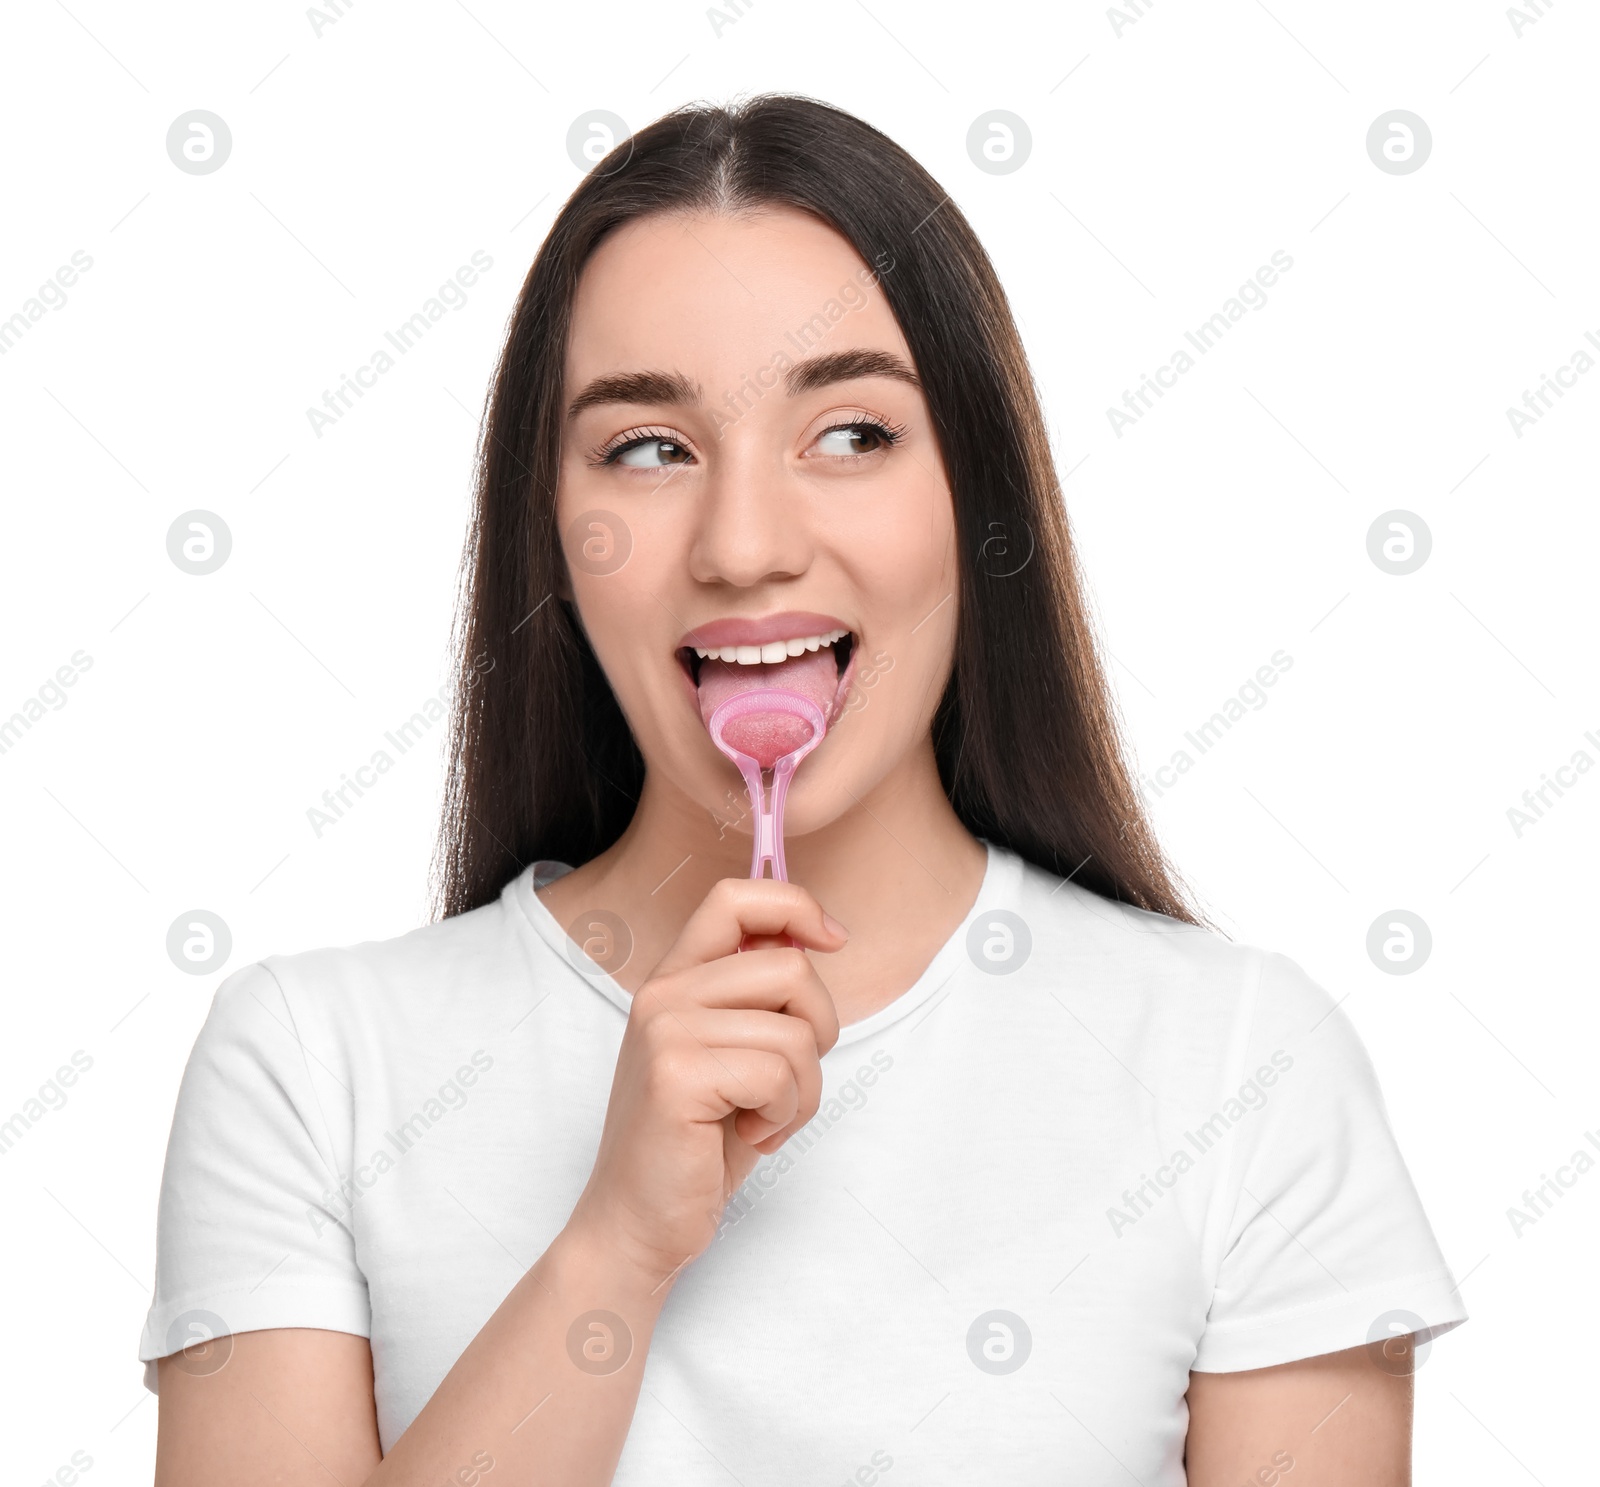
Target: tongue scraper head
{"x":754,"y":709}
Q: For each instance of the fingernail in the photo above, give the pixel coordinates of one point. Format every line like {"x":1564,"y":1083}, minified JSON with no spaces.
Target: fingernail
{"x":834,"y":925}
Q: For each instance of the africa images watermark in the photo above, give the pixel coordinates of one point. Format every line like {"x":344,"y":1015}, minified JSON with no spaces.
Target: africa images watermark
{"x":338,"y":1204}
{"x":1538,"y":402}
{"x":1251,"y":295}
{"x":1530,"y":13}
{"x":52,"y":1095}
{"x":851,"y":1095}
{"x":49,"y":694}
{"x":1536,"y":802}
{"x":810,"y":333}
{"x":330,"y":13}
{"x":404,"y":337}
{"x":722,"y":19}
{"x":1210,"y":733}
{"x":1537,"y":1202}
{"x":337,"y":802}
{"x":1252,"y":1095}
{"x":51,"y":295}
{"x":1120,"y":20}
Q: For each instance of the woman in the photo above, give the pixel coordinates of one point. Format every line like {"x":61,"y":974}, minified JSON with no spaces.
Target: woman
{"x":600,"y":1178}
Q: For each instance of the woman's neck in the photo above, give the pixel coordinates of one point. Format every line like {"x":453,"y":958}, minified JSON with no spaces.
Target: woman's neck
{"x":899,"y":869}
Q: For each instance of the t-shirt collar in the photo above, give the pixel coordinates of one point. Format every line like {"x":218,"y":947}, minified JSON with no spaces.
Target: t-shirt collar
{"x":1002,"y":882}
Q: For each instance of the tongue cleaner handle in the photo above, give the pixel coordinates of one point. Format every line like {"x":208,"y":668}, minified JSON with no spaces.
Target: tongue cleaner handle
{"x":767,"y":845}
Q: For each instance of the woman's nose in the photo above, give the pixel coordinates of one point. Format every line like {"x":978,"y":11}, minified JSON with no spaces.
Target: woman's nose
{"x":752,"y":523}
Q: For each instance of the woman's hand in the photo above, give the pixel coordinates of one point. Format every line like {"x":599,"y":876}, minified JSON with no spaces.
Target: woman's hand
{"x":719,"y":1062}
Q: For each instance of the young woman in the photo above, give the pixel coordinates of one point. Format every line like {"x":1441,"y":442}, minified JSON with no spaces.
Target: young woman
{"x":1002,"y":1164}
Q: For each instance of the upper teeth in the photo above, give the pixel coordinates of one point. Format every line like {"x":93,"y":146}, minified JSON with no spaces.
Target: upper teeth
{"x":777,"y":650}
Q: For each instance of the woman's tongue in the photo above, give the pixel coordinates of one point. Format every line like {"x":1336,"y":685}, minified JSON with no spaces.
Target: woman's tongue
{"x":768,"y":736}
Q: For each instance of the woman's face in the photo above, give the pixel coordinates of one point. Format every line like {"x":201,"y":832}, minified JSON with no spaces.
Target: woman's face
{"x":747,"y":459}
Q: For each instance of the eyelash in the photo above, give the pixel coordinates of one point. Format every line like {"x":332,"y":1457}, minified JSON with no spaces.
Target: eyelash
{"x":891,"y":433}
{"x":607,"y":454}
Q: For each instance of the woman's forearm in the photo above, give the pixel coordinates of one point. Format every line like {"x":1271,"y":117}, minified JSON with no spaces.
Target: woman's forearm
{"x":548,"y":1386}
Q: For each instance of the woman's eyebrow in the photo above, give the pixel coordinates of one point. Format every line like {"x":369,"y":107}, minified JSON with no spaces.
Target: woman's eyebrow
{"x":636,"y":387}
{"x":844,"y":366}
{"x":804,"y":376}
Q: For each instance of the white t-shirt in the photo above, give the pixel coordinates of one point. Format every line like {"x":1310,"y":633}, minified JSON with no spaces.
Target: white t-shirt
{"x":1091,"y":1149}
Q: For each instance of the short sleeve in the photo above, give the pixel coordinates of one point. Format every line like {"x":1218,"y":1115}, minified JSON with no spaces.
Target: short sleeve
{"x":1326,"y":1245}
{"x":248,"y":1234}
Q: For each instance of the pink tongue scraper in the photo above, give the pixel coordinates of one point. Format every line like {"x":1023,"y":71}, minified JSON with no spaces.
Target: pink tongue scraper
{"x":769,"y":717}
{"x":767,"y":728}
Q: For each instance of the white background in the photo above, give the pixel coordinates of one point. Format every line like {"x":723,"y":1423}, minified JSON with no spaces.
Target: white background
{"x":1172,"y":153}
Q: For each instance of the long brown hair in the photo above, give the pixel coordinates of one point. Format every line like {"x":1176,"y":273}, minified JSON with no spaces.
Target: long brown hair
{"x":542,"y":763}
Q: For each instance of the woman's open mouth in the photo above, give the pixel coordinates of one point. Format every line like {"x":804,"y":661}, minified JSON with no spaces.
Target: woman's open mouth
{"x":819,"y":666}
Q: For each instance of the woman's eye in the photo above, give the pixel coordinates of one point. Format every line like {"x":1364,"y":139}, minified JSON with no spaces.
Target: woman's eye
{"x":650,"y":454}
{"x":854,"y":439}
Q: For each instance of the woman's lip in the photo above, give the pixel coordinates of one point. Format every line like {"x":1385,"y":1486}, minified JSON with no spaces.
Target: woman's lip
{"x":689,"y":686}
{"x":792,"y":624}
{"x":846,"y":679}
